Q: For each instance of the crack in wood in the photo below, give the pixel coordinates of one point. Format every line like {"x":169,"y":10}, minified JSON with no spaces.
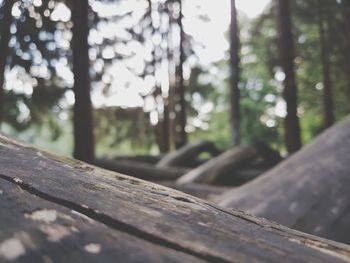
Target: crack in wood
{"x":114,"y":223}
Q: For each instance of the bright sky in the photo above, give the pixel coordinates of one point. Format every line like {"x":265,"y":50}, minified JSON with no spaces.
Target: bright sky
{"x":252,"y":8}
{"x":212,"y":35}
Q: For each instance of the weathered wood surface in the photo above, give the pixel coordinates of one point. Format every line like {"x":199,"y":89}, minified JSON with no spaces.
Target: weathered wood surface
{"x":142,"y":170}
{"x":60,"y":210}
{"x":226,"y":164}
{"x":187,"y":155}
{"x":203,"y":191}
{"x":310,"y":191}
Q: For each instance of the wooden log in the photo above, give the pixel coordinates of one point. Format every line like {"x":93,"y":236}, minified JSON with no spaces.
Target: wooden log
{"x":223,"y":165}
{"x":153,"y":160}
{"x":61,"y":210}
{"x":142,"y":170}
{"x":270,"y":156}
{"x":240,"y":176}
{"x":187,"y":155}
{"x":203,"y":191}
{"x":150,"y":159}
{"x":309,"y":191}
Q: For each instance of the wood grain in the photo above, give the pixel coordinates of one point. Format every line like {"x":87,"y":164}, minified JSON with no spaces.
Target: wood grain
{"x":123,"y":219}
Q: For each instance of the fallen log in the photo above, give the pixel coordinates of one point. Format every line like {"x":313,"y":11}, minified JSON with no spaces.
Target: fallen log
{"x":61,"y":210}
{"x":153,"y":160}
{"x":239,"y":177}
{"x":309,"y":191}
{"x":187,"y":155}
{"x":150,"y":159}
{"x":203,"y":191}
{"x":270,"y":157}
{"x":221,"y":166}
{"x":141,"y":170}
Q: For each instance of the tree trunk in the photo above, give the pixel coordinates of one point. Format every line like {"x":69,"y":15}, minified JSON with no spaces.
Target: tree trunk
{"x":62,"y":210}
{"x":161,"y":137}
{"x":180,"y":100}
{"x":345,"y":7}
{"x":327,"y":81}
{"x":165,"y":125}
{"x":234,"y":63}
{"x":4,"y":49}
{"x":83,"y":119}
{"x":172,"y":79}
{"x":287,"y":55}
{"x":309,"y":191}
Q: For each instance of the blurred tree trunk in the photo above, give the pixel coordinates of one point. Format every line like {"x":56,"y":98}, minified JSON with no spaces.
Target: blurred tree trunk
{"x":160,"y":132}
{"x":4,"y":48}
{"x":83,"y":119}
{"x":327,"y":81}
{"x":234,"y":63}
{"x":287,"y":55}
{"x":180,"y":100}
{"x":165,"y":126}
{"x":345,"y":7}
{"x":171,"y":115}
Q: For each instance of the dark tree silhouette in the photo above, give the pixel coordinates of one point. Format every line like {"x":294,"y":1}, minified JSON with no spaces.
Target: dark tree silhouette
{"x":162,"y":127}
{"x":180,"y":99}
{"x":234,"y":63}
{"x":325,"y":60}
{"x":345,"y":7}
{"x":83,"y":119}
{"x":287,"y":55}
{"x":4,"y":47}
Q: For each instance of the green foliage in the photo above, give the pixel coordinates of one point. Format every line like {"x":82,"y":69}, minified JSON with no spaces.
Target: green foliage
{"x":123,"y":131}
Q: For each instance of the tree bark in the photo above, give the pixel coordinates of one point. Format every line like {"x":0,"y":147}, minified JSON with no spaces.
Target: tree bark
{"x":180,"y":100}
{"x":234,"y":63}
{"x":165,"y":126}
{"x":160,"y":133}
{"x":4,"y":49}
{"x":287,"y":55}
{"x":308,"y":192}
{"x":202,"y":191}
{"x":62,"y":210}
{"x":172,"y":79}
{"x":83,"y":119}
{"x":326,"y":69}
{"x":345,"y":7}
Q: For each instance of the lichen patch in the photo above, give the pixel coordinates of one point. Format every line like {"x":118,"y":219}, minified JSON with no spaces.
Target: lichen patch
{"x":93,"y":248}
{"x":17,"y":180}
{"x":55,"y":232}
{"x":45,"y":215}
{"x":11,"y":248}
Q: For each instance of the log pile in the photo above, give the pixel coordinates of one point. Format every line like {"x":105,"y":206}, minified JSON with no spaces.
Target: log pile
{"x":185,"y":170}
